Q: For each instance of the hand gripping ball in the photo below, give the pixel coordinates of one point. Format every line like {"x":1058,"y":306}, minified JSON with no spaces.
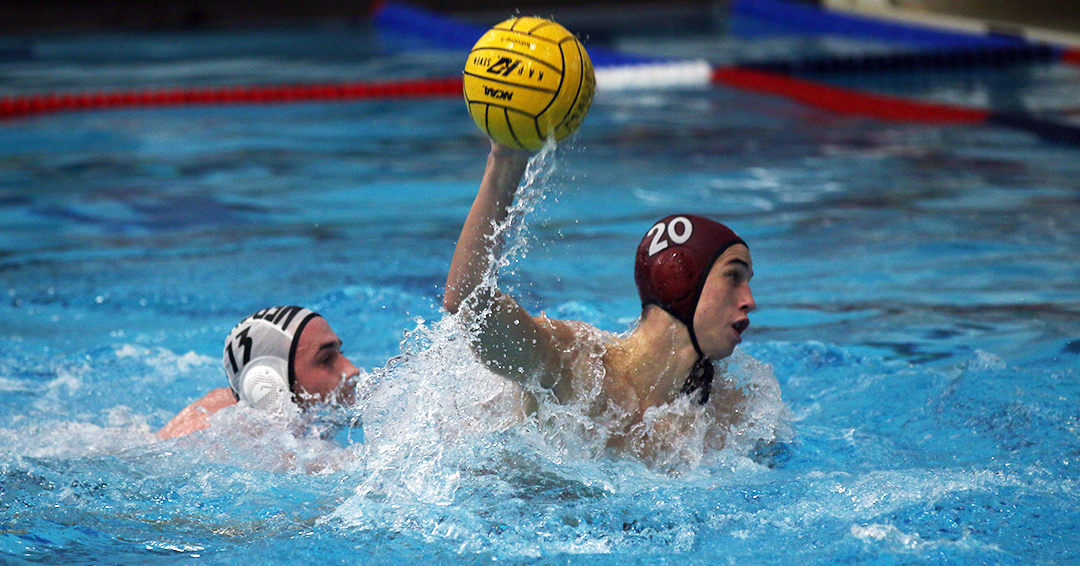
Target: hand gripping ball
{"x":527,"y":79}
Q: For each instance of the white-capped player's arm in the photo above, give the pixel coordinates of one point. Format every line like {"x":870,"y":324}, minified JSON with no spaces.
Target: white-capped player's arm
{"x":196,"y":416}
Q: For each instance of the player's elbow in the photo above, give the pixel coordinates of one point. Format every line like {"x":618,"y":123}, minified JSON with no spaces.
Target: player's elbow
{"x":451,"y":301}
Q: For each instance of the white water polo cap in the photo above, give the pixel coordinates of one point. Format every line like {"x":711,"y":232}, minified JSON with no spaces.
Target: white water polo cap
{"x":259,"y":354}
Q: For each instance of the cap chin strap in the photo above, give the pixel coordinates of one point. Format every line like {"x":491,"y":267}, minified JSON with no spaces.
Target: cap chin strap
{"x":700,"y":380}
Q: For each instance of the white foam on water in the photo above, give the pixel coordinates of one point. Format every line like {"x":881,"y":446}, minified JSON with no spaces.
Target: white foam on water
{"x":62,"y":421}
{"x":67,"y":439}
{"x":887,"y":538}
{"x":284,"y":442}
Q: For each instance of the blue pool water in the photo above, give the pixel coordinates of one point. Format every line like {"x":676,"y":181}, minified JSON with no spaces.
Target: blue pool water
{"x":918,"y":306}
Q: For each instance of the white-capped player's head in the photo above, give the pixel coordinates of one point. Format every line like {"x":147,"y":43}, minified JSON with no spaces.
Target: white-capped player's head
{"x":286,"y":355}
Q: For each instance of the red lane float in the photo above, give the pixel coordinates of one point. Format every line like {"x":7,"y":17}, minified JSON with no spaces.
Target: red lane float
{"x":846,"y":101}
{"x":11,"y":107}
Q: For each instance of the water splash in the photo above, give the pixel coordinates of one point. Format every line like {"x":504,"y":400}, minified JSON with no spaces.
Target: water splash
{"x":452,"y":452}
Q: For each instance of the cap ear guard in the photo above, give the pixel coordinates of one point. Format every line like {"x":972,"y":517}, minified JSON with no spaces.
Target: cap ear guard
{"x":263,"y":384}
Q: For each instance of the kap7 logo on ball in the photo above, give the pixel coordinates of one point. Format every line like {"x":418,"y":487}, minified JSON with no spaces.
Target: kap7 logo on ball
{"x":505,"y":66}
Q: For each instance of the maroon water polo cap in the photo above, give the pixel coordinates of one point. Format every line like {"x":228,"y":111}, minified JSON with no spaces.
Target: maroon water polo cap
{"x":673,"y":261}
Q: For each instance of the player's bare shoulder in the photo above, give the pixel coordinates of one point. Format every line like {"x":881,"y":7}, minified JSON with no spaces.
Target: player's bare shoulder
{"x":574,"y":356}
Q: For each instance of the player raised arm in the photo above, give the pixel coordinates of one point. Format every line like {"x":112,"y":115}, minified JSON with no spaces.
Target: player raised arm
{"x":508,"y":340}
{"x":476,"y":245}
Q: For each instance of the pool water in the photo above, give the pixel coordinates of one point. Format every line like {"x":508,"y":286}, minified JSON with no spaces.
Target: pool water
{"x":917,"y":303}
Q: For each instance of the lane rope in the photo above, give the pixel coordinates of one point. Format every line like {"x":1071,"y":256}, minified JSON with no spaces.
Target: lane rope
{"x":17,"y":106}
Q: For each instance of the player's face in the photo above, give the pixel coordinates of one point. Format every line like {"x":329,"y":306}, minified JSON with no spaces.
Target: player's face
{"x":725,"y":303}
{"x":323,"y":374}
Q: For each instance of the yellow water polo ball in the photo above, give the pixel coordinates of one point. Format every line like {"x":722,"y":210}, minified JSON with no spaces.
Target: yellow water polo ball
{"x":527,"y":79}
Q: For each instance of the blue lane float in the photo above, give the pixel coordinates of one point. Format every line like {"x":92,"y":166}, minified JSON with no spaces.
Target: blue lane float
{"x":452,"y":33}
{"x":796,"y":17}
